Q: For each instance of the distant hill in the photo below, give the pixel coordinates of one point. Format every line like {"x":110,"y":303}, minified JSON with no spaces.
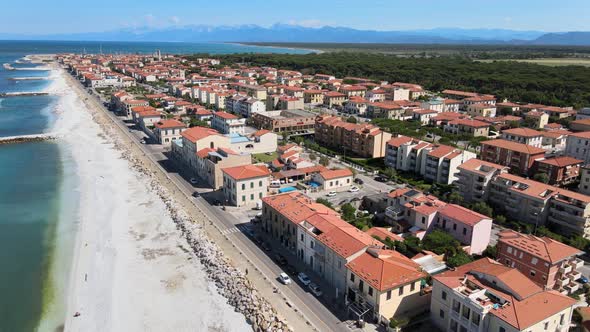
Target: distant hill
{"x":327,"y":34}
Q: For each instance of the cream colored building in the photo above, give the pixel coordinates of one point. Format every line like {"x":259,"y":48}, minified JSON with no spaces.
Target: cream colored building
{"x":334,"y":180}
{"x":166,"y":131}
{"x":211,"y":161}
{"x":486,"y":110}
{"x":195,"y":139}
{"x":245,"y":185}
{"x":383,"y":284}
{"x":486,"y":296}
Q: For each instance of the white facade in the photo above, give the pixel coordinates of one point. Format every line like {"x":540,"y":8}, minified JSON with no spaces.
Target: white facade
{"x":578,"y":146}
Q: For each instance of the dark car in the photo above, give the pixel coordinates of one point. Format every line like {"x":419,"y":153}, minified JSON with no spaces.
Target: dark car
{"x":265,"y":246}
{"x":281,"y":259}
{"x":380,"y":179}
{"x":196,"y":194}
{"x":291,"y":270}
{"x":258,"y":240}
{"x":359,"y":181}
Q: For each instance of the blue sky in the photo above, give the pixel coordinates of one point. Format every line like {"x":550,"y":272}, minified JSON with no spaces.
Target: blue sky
{"x":43,"y":16}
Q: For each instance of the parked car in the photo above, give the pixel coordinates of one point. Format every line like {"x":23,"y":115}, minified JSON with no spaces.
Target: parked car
{"x":380,"y":179}
{"x":284,"y":278}
{"x":331,"y":194}
{"x":354,"y":189}
{"x":265,"y":246}
{"x":303,"y":278}
{"x":291,"y":270}
{"x":315,"y":289}
{"x":281,"y":259}
{"x":196,"y":194}
{"x":583,"y":280}
{"x":359,"y":181}
{"x":193,"y":181}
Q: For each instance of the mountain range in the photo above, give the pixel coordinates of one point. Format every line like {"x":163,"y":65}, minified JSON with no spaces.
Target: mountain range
{"x":326,"y":34}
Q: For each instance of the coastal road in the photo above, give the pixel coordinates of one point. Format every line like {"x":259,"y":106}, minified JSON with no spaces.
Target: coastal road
{"x":313,"y":311}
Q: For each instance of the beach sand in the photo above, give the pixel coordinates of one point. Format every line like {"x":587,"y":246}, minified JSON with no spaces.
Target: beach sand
{"x":132,"y":269}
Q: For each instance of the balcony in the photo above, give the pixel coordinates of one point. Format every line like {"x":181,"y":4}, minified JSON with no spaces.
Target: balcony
{"x":562,"y":282}
{"x":572,"y":287}
{"x":394,"y":213}
{"x":574,"y":275}
{"x":565,"y":269}
{"x":576,"y":263}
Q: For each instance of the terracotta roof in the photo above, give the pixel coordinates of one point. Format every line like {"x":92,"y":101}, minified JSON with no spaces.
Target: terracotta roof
{"x":462,"y":214}
{"x":163,"y":124}
{"x":400,"y":140}
{"x":203,"y":153}
{"x":296,"y":206}
{"x":246,"y":172}
{"x":584,"y":134}
{"x":513,"y":146}
{"x":561,"y":161}
{"x":385,"y":269}
{"x":544,"y":248}
{"x":522,"y":132}
{"x":261,"y":132}
{"x":540,"y":190}
{"x":477,"y":165}
{"x":470,"y":123}
{"x":336,"y":173}
{"x":344,"y":239}
{"x":383,"y":233}
{"x":197,"y":133}
{"x":225,"y":115}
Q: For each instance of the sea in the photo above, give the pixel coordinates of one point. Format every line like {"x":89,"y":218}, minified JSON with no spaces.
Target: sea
{"x":38,"y":198}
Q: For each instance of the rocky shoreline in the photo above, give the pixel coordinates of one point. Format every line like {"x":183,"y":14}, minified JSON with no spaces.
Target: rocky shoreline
{"x":26,"y":139}
{"x":231,"y":283}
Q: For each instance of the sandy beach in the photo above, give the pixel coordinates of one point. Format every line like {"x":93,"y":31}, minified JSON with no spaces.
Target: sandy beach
{"x":132,"y":268}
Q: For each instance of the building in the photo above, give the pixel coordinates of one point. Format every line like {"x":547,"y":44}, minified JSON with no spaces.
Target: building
{"x":195,"y":139}
{"x":537,"y":119}
{"x":166,"y":131}
{"x":578,"y":146}
{"x":519,"y":157}
{"x":481,"y":109}
{"x":383,"y":284}
{"x":524,"y":136}
{"x":486,"y":296}
{"x":584,"y":113}
{"x":227,"y":123}
{"x":548,"y":263}
{"x":580,"y":125}
{"x":555,"y":141}
{"x":474,"y":177}
{"x":584,"y":187}
{"x":334,"y":98}
{"x":386,"y":110}
{"x":362,"y":140}
{"x":314,"y":97}
{"x":291,"y":121}
{"x":334,"y":180}
{"x":539,"y":204}
{"x":435,"y":162}
{"x":245,"y":185}
{"x":560,"y":170}
{"x":210,"y":163}
{"x":469,"y":127}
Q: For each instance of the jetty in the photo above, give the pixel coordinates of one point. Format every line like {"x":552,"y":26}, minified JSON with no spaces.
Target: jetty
{"x":18,"y":94}
{"x":27,"y":138}
{"x":27,"y":78}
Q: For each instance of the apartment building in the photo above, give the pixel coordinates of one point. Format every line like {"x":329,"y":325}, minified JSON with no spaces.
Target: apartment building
{"x":129,"y":104}
{"x":555,"y":141}
{"x":469,"y":127}
{"x":334,"y":180}
{"x":538,"y":203}
{"x":245,"y":185}
{"x":560,"y":170}
{"x":334,"y":98}
{"x":353,"y":90}
{"x":538,"y":119}
{"x":584,"y":187}
{"x":474,"y":178}
{"x":297,"y":121}
{"x":195,"y":139}
{"x":486,"y":296}
{"x":548,"y":263}
{"x":436,"y":162}
{"x":386,"y":110}
{"x":255,"y":91}
{"x":363,"y":140}
{"x":227,"y":123}
{"x":519,"y":157}
{"x":524,"y":136}
{"x":578,"y":146}
{"x":580,"y":125}
{"x":210,"y":163}
{"x":166,"y":131}
{"x":383,"y":284}
{"x":480,"y":109}
{"x":314,"y":97}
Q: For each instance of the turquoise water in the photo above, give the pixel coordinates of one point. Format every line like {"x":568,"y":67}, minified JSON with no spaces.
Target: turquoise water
{"x":38,"y":194}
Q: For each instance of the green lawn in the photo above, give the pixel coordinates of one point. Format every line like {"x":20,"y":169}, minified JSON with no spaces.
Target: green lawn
{"x":264,"y":158}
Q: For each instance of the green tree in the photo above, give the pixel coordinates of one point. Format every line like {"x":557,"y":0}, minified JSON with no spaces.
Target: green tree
{"x":324,"y":161}
{"x":348,"y":212}
{"x":455,"y":198}
{"x":312,"y":156}
{"x":351,"y":119}
{"x":500,"y":219}
{"x":458,"y":259}
{"x":491,"y":252}
{"x":324,"y":202}
{"x":413,"y":244}
{"x":483,"y":208}
{"x":440,"y":242}
{"x":541,"y":177}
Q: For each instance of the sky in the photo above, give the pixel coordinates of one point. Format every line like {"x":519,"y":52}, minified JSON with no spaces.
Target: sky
{"x":73,"y":16}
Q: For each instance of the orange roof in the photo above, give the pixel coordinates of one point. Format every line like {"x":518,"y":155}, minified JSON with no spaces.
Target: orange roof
{"x":561,"y":161}
{"x":385,"y":269}
{"x":336,"y":173}
{"x":225,"y":115}
{"x":461,"y":214}
{"x":470,"y":123}
{"x":540,"y":190}
{"x":246,"y":172}
{"x":513,"y":146}
{"x":400,"y":140}
{"x":522,"y":132}
{"x":163,"y":124}
{"x":197,"y":133}
{"x":478,"y":166}
{"x":344,"y":239}
{"x":544,"y":248}
{"x":383,"y":233}
{"x":261,"y":132}
{"x":584,"y":134}
{"x":296,"y":207}
{"x":203,"y":153}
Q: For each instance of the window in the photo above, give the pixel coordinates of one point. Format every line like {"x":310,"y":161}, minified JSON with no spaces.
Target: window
{"x":412,"y":286}
{"x":509,"y":250}
{"x":501,"y":329}
{"x":243,"y":198}
{"x":454,"y":227}
{"x":561,"y":319}
{"x":534,"y":260}
{"x":456,"y":306}
{"x":352,"y":277}
{"x":311,"y":244}
{"x":370,"y":291}
{"x":251,"y":197}
{"x":361,"y":285}
{"x":251,"y":185}
{"x":466,"y":312}
{"x":462,"y":329}
{"x":259,"y":195}
{"x":454,"y":326}
{"x":546,"y":326}
{"x":243,"y":186}
{"x":444,"y":296}
{"x":389,"y":294}
{"x":441,"y":313}
{"x":423,"y":220}
{"x":401,"y":291}
{"x":533,"y":273}
{"x":475,"y":318}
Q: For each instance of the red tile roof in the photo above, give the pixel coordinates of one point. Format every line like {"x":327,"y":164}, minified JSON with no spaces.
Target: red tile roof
{"x":543,"y":248}
{"x":513,"y":146}
{"x":336,"y":174}
{"x":197,"y":133}
{"x":461,"y":214}
{"x":225,"y":115}
{"x":383,"y":233}
{"x":584,"y":134}
{"x":522,"y":132}
{"x":246,"y":172}
{"x":164,"y":124}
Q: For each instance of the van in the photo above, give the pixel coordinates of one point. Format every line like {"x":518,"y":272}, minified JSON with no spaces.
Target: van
{"x":275,"y":184}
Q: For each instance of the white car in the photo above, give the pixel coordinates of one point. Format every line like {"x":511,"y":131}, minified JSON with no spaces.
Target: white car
{"x":354,"y":189}
{"x":193,"y":181}
{"x":315,"y":289}
{"x":284,"y":278}
{"x":303,"y":278}
{"x":331,"y":194}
